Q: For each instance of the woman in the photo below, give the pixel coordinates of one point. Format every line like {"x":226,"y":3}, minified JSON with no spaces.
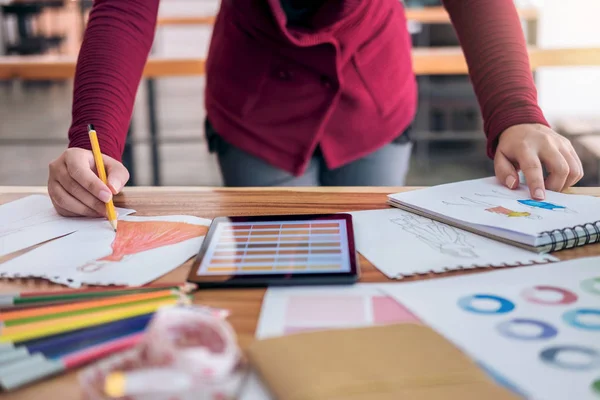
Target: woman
{"x":313,"y":92}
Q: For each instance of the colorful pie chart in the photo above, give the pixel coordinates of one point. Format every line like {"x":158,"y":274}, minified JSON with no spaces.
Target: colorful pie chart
{"x":486,"y":304}
{"x":527,"y":329}
{"x":576,"y":358}
{"x":549,"y":295}
{"x":591,"y":285}
{"x":581,"y":317}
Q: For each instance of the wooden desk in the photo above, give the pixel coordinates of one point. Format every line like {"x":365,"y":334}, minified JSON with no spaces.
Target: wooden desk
{"x":209,"y":203}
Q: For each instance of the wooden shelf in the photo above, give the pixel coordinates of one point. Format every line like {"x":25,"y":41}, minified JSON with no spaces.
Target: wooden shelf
{"x":426,"y":15}
{"x":426,"y":61}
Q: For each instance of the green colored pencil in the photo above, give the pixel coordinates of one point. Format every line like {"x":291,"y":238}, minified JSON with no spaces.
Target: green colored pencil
{"x":91,"y":310}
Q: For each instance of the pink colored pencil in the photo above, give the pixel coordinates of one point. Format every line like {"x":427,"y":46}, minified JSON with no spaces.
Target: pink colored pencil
{"x":101,"y":350}
{"x":34,"y":367}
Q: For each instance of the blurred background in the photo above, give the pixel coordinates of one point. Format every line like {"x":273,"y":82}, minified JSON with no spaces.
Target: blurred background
{"x":39,"y":41}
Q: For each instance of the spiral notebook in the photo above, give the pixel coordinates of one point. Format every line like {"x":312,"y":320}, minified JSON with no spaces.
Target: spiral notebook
{"x":485,"y":207}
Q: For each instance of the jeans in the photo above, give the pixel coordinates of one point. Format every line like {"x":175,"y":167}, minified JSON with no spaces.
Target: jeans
{"x":387,"y":166}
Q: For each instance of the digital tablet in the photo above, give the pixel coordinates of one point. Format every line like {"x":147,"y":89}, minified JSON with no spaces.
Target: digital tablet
{"x":277,"y":250}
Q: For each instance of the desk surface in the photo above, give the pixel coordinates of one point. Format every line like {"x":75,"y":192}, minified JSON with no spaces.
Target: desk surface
{"x":209,"y":203}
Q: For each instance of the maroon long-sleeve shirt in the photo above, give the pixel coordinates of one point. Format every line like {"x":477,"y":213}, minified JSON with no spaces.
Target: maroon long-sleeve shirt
{"x":342,"y":81}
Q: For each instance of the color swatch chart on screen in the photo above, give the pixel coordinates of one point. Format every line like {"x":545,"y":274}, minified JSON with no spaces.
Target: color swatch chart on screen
{"x":272,"y":247}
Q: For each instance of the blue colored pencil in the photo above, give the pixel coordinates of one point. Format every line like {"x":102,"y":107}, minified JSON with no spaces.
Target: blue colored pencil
{"x":66,"y":342}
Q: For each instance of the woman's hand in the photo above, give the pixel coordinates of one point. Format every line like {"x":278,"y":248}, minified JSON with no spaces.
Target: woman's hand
{"x":529,"y":146}
{"x":76,"y":190}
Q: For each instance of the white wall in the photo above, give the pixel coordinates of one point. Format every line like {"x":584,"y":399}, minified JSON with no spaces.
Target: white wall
{"x":569,"y":91}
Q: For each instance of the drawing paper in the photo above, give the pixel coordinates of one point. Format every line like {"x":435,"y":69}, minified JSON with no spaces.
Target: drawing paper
{"x":33,"y":220}
{"x":536,"y":327}
{"x":401,"y":244}
{"x":486,"y":206}
{"x":143,"y":249}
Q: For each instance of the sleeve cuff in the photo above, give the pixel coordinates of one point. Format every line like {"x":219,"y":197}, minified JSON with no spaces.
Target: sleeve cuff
{"x":79,"y":138}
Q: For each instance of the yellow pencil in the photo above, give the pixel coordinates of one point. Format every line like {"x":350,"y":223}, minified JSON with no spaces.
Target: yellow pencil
{"x":67,"y":319}
{"x":79,"y":323}
{"x":110,"y":207}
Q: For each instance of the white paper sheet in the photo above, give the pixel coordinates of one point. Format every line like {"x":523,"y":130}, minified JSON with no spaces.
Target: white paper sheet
{"x":505,"y":339}
{"x":474,"y":202}
{"x":137,"y":254}
{"x":33,"y":220}
{"x":400,"y":244}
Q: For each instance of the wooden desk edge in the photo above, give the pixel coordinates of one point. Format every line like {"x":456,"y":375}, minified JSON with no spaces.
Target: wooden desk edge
{"x":25,"y":190}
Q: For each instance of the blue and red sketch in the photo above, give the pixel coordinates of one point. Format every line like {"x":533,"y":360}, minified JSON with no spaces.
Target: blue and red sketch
{"x":493,"y":208}
{"x":544,"y":205}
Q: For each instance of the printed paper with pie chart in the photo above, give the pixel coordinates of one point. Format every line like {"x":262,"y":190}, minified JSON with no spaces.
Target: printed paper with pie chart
{"x":536,"y":329}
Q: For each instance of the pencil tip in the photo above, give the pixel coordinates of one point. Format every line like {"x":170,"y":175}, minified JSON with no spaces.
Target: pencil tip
{"x":114,"y":225}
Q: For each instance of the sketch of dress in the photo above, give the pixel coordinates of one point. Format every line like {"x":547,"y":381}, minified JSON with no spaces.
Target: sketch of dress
{"x":441,"y":237}
{"x":492,"y":208}
{"x":134,"y":237}
{"x":544,"y":205}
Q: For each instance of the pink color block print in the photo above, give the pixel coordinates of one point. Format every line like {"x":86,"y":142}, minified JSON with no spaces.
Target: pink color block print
{"x":289,"y":330}
{"x":386,"y":310}
{"x":323,"y":310}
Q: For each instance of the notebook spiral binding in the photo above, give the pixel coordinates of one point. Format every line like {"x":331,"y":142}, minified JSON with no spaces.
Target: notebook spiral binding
{"x":560,"y":240}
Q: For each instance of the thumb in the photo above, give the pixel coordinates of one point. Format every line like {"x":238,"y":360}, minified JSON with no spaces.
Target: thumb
{"x":505,"y":171}
{"x":116,"y":174}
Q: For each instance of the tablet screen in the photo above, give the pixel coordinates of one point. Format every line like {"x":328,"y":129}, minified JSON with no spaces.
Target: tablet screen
{"x":277,"y":247}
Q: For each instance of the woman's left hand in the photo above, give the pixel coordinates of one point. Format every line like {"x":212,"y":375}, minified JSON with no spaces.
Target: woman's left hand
{"x":529,"y":146}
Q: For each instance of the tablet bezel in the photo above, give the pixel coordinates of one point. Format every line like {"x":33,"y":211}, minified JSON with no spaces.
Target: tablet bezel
{"x":285,"y":278}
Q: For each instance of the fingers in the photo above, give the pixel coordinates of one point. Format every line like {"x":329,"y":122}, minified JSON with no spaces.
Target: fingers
{"x":66,"y":204}
{"x":505,"y":171}
{"x":575,"y":167}
{"x":81,"y":194}
{"x":117,"y":174}
{"x":557,"y":167}
{"x":79,"y":170}
{"x":531,"y":166}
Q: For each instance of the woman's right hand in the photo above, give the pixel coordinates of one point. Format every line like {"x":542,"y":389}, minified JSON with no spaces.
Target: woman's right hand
{"x":76,"y":190}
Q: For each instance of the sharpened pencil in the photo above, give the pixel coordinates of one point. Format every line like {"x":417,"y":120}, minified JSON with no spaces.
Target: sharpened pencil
{"x":18,"y":334}
{"x":111,"y":213}
{"x":59,"y":344}
{"x":37,"y":366}
{"x":79,"y":294}
{"x":41,"y":313}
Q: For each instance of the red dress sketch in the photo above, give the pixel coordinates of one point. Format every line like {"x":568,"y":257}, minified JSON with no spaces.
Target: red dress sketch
{"x":134,"y":237}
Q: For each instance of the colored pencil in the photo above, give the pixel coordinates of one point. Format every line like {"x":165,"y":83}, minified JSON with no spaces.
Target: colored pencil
{"x":47,"y":328}
{"x":38,"y":366}
{"x":29,"y":306}
{"x":39,"y":314}
{"x":59,"y":344}
{"x":167,"y":285}
{"x":62,"y":345}
{"x":111,"y":213}
{"x":77,"y":294}
{"x":70,"y":319}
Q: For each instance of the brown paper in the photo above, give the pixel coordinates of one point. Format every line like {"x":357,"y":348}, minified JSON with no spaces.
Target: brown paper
{"x":405,"y":361}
